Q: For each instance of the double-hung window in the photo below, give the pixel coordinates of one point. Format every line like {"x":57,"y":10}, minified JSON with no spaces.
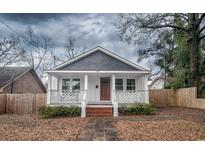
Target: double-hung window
{"x":66,"y":84}
{"x":71,"y":84}
{"x":130,"y":84}
{"x":119,"y":84}
{"x":75,"y":84}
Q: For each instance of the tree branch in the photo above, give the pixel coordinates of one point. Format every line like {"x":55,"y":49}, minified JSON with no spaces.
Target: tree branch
{"x":200,"y":19}
{"x":201,"y":30}
{"x":164,"y":26}
{"x":202,"y":37}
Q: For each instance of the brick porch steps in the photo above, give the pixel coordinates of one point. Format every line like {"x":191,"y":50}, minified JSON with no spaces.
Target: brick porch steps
{"x":97,"y":111}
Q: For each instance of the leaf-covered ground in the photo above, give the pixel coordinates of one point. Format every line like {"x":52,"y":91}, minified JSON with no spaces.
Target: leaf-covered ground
{"x":15,"y":127}
{"x":168,"y":124}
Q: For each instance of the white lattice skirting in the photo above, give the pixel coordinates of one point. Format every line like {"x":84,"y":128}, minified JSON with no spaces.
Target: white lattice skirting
{"x":124,"y":97}
{"x":66,"y":97}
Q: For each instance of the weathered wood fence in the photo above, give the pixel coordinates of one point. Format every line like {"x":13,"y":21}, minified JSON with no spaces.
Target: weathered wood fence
{"x":185,"y":97}
{"x":29,"y":103}
{"x":21,"y":103}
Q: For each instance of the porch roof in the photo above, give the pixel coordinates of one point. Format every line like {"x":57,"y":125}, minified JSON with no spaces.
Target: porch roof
{"x":96,"y":72}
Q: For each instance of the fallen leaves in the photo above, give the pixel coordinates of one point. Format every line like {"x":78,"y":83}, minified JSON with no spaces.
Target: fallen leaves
{"x":170,"y":124}
{"x":14,"y":127}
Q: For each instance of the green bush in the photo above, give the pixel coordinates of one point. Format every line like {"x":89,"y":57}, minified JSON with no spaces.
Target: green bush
{"x":57,"y":111}
{"x":138,"y":109}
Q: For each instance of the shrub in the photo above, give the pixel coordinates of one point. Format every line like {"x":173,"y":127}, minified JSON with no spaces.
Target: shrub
{"x":138,"y":109}
{"x":57,"y":111}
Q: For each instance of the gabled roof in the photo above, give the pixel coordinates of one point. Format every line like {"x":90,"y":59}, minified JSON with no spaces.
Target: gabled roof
{"x":168,"y":80}
{"x":155,"y":80}
{"x":10,"y":74}
{"x":99,"y":59}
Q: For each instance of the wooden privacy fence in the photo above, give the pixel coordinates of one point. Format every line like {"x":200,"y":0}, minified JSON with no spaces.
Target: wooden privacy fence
{"x":21,"y":103}
{"x":185,"y":97}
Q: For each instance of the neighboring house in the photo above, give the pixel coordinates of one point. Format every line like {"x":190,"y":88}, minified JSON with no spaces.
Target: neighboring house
{"x":97,"y":79}
{"x":20,"y":80}
{"x":159,"y":82}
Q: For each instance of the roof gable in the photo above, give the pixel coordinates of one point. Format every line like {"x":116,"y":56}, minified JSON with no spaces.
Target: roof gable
{"x":9,"y":74}
{"x":99,"y":59}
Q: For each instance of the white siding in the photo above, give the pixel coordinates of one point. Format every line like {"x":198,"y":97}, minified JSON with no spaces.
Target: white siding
{"x":93,"y":94}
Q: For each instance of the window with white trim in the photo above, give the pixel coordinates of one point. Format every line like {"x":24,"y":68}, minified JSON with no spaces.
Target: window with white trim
{"x":71,"y":84}
{"x":75,"y":84}
{"x":130,"y":84}
{"x":118,"y":84}
{"x":66,"y":84}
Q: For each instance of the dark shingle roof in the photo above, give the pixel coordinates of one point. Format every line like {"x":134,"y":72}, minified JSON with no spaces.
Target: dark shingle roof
{"x":98,"y":61}
{"x":8,"y":74}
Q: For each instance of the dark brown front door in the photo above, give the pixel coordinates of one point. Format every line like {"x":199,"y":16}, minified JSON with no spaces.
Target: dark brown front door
{"x":105,"y":88}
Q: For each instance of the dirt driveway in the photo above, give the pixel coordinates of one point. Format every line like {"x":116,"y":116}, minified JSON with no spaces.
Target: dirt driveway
{"x":167,"y":124}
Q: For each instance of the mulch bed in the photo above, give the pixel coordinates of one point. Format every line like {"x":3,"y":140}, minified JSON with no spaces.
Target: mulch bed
{"x":32,"y":128}
{"x":168,"y":124}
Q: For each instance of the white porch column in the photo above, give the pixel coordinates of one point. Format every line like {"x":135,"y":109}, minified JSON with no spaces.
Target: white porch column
{"x":114,"y":101}
{"x":146,"y":89}
{"x":86,"y":82}
{"x":83,"y":106}
{"x":49,"y":89}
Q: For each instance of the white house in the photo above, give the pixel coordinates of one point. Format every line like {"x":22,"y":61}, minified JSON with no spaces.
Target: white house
{"x":97,"y":78}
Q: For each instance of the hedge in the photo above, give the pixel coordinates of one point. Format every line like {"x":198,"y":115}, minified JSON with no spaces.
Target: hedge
{"x":57,"y":111}
{"x":137,"y":109}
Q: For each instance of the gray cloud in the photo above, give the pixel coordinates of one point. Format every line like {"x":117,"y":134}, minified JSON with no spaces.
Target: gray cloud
{"x":87,"y":29}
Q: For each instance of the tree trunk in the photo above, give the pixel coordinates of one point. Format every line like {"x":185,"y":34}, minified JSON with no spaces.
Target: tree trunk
{"x":193,"y":47}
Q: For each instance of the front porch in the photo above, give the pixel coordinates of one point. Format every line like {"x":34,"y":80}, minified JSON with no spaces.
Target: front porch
{"x":96,"y":90}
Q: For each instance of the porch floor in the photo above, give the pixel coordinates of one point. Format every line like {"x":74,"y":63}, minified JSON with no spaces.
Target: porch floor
{"x":101,"y":102}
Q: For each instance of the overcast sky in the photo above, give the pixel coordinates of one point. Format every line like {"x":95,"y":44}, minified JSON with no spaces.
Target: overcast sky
{"x":90,"y":30}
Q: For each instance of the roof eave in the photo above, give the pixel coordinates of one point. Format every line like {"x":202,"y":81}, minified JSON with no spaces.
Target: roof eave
{"x":90,"y":72}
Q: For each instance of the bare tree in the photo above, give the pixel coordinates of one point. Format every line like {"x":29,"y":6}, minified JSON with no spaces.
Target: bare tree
{"x":72,"y":49}
{"x":69,"y":48}
{"x":10,"y":51}
{"x":39,"y":49}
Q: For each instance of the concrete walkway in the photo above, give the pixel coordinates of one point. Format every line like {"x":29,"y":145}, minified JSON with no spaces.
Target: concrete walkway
{"x":99,"y":129}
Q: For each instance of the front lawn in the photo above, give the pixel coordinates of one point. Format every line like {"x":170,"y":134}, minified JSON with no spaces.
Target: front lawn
{"x":32,"y":128}
{"x":168,"y":124}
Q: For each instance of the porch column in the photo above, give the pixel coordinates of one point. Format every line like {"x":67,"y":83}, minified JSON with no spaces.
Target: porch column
{"x":114,"y":101}
{"x":55,"y":82}
{"x":83,"y":106}
{"x":146,"y":89}
{"x":49,"y":89}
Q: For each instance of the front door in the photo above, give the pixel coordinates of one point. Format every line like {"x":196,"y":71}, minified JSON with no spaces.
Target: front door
{"x":105,"y":88}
